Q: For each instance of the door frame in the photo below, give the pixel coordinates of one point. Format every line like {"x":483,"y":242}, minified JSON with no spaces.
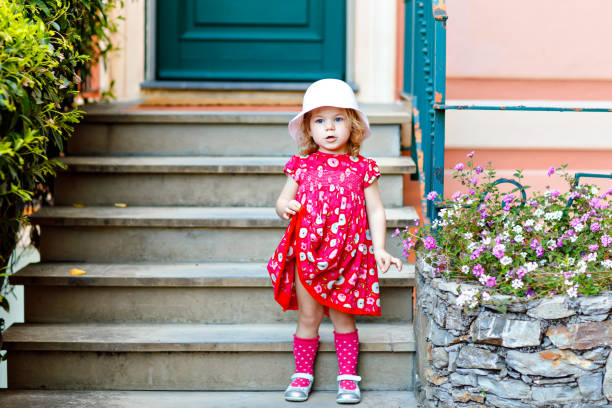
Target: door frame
{"x":150,"y":57}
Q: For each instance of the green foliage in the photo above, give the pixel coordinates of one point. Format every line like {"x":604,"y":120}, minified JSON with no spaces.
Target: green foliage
{"x":47,"y":48}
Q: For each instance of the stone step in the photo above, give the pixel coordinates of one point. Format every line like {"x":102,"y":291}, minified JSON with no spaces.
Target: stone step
{"x":191,"y":399}
{"x":194,"y":356}
{"x":119,"y":129}
{"x":172,"y":234}
{"x":183,"y":293}
{"x":235,"y":181}
{"x":207,"y":164}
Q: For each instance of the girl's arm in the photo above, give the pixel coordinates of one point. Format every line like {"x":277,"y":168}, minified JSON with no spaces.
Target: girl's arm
{"x":286,"y":205}
{"x":378,"y":228}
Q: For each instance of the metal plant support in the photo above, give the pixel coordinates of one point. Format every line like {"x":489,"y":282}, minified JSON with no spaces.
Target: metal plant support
{"x":425,"y":87}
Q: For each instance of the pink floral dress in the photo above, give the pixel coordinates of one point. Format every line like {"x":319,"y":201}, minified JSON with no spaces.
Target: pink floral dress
{"x":329,"y":240}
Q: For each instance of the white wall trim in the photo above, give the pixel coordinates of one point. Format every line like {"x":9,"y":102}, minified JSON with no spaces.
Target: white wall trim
{"x":150,"y":27}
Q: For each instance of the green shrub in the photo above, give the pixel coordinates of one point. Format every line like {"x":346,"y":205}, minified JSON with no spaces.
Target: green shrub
{"x":47,"y":48}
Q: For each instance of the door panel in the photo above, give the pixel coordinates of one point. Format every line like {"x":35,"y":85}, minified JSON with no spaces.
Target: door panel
{"x":268,"y":40}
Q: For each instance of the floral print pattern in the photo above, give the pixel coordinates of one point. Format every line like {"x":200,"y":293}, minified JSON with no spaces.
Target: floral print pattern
{"x":329,"y":240}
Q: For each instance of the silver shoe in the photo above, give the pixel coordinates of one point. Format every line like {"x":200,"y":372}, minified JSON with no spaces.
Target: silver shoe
{"x":299,"y":393}
{"x":345,"y":396}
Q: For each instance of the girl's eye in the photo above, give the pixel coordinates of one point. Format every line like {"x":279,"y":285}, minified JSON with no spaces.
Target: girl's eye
{"x":339,"y":119}
{"x":318,"y":121}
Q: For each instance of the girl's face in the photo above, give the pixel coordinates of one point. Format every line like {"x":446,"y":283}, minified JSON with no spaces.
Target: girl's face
{"x":330,"y":129}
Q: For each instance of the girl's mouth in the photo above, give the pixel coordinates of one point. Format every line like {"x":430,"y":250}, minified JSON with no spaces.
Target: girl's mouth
{"x":330,"y":138}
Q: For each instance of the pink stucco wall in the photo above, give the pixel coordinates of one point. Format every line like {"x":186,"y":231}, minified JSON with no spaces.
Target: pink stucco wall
{"x":552,"y":39}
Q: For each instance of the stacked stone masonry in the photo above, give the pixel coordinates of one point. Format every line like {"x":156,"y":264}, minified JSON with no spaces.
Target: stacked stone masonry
{"x":552,"y":352}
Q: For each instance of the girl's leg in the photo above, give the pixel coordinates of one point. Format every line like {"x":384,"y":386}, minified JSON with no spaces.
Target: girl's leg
{"x":310,"y":313}
{"x":346,"y":340}
{"x":306,"y":338}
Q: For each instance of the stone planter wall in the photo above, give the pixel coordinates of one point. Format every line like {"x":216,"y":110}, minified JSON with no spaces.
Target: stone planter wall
{"x":541,"y":353}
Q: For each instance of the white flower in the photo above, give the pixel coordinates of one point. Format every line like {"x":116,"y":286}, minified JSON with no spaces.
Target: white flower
{"x":538,"y":227}
{"x":506,"y":260}
{"x":531,"y":266}
{"x":472,"y":246}
{"x":485,"y":296}
{"x":582,"y":266}
{"x":486,"y":240}
{"x":555,"y":215}
{"x":467,"y":296}
{"x":519,"y":238}
{"x":573,"y":291}
{"x":594,"y":190}
{"x":607,"y":263}
{"x":523,"y":254}
{"x":573,"y":238}
{"x":591,"y":257}
{"x":468,"y":235}
{"x":579,"y":227}
{"x":529,"y":222}
{"x":571,"y":261}
{"x":469,"y":202}
{"x":480,"y":223}
{"x":465,"y":269}
{"x":568,"y":282}
{"x":518,"y":229}
{"x":539,"y":212}
{"x":517,"y":284}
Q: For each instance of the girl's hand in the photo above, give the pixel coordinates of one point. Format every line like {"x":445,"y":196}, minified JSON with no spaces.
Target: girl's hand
{"x":384,"y":261}
{"x":293,"y":206}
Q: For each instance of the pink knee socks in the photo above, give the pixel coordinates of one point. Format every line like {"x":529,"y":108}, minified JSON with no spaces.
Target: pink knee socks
{"x":304,"y":352}
{"x":347,"y":350}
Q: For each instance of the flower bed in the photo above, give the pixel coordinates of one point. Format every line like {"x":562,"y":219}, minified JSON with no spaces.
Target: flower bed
{"x":514,"y":295}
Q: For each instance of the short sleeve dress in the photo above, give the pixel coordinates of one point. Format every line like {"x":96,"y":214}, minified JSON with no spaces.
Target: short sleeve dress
{"x":329,"y":239}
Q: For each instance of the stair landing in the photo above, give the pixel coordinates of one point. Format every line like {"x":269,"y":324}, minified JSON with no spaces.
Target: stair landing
{"x":191,"y":399}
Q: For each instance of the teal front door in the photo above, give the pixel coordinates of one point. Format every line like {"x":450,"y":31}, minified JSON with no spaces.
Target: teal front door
{"x":250,"y":40}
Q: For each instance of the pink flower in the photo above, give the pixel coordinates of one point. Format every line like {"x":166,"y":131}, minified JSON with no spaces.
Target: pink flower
{"x":456,"y":195}
{"x":395,"y":233}
{"x":490,"y":282}
{"x":477,"y":270}
{"x":474,"y":180}
{"x":432,"y":195}
{"x":459,"y":166}
{"x":479,"y":169}
{"x":606,"y":240}
{"x":550,"y":171}
{"x":595,"y":226}
{"x":470,"y":154}
{"x":593,"y":247}
{"x":408,"y":244}
{"x":430,"y":243}
{"x":498,"y":251}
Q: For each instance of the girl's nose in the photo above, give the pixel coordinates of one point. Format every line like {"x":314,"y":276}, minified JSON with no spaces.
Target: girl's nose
{"x":330,"y":125}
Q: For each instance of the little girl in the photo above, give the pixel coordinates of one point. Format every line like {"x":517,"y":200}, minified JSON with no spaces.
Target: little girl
{"x":326,"y":263}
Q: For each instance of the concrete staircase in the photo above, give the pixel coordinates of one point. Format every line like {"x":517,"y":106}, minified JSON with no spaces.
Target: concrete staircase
{"x":176,"y":296}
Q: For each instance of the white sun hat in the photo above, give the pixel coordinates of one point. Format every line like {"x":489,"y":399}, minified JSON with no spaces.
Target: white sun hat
{"x":327,"y":92}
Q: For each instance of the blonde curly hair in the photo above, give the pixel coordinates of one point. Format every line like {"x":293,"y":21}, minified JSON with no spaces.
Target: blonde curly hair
{"x":307,"y":144}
